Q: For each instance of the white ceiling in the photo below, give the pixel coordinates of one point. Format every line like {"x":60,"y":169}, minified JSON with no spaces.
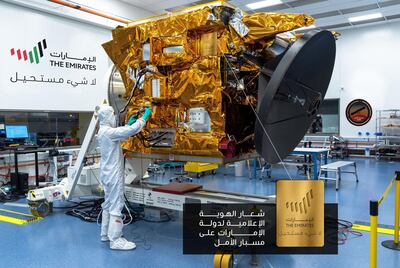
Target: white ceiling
{"x":330,"y":14}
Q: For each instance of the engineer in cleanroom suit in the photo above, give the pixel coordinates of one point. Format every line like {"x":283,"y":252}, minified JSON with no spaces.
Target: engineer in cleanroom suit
{"x":112,"y":173}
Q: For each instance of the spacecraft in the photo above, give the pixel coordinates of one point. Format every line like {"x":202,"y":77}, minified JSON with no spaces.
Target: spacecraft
{"x":221,"y":83}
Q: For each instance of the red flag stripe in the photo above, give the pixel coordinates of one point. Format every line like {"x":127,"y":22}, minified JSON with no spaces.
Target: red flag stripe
{"x":19,"y":54}
{"x":12,"y":52}
{"x":25,"y":55}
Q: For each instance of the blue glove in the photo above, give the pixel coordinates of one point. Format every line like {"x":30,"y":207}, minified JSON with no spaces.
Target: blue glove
{"x":147,"y":113}
{"x":132,"y":120}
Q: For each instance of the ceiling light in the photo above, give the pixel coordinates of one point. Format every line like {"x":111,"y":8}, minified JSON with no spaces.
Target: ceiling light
{"x":266,"y":3}
{"x":366,"y":17}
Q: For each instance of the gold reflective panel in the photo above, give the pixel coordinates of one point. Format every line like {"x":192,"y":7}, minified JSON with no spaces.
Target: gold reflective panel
{"x":194,"y":58}
{"x":208,"y":44}
{"x":300,"y":213}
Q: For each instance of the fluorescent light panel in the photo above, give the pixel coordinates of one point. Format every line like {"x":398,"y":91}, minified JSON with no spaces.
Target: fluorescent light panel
{"x":266,"y":3}
{"x":366,"y":17}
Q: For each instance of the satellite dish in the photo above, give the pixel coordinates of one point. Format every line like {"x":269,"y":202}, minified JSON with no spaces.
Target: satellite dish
{"x":116,"y":90}
{"x":290,"y":95}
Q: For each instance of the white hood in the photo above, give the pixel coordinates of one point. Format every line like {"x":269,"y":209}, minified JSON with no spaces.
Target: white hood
{"x":106,"y":116}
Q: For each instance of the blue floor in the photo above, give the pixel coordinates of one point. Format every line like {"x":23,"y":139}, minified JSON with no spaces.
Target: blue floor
{"x":63,"y":241}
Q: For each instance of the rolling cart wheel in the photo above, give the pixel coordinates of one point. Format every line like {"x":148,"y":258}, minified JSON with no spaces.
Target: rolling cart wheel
{"x":198,"y":175}
{"x":214,"y":171}
{"x":40,"y":209}
{"x":223,"y":261}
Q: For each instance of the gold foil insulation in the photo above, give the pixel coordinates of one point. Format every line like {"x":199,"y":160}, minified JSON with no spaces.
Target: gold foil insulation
{"x":185,"y":54}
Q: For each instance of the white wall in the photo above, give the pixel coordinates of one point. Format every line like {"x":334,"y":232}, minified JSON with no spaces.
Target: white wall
{"x":117,"y":8}
{"x":367,"y":67}
{"x":62,"y":35}
{"x":69,"y":34}
{"x":110,"y":7}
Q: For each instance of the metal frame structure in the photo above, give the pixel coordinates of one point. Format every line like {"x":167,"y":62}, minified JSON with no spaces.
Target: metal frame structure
{"x":388,"y":142}
{"x":315,"y":153}
{"x":143,"y":194}
{"x":90,"y":133}
{"x":193,"y":158}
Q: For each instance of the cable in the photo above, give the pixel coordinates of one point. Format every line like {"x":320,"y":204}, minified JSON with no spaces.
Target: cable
{"x":98,"y":218}
{"x":90,"y":211}
{"x":84,"y":210}
{"x":138,"y":81}
{"x":344,"y":231}
{"x":2,"y":191}
{"x":111,"y":86}
{"x":256,"y":114}
{"x":142,"y":139}
{"x":77,"y":204}
{"x":157,"y":137}
{"x":130,"y":215}
{"x":157,"y":142}
{"x":248,"y":137}
{"x":154,"y":140}
{"x":9,"y":197}
{"x":131,"y":96}
{"x":140,"y":215}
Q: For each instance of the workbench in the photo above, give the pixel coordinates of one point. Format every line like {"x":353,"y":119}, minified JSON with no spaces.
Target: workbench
{"x":315,"y":153}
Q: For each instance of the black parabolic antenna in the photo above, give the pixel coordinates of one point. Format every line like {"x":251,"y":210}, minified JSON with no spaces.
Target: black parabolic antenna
{"x":289,"y":97}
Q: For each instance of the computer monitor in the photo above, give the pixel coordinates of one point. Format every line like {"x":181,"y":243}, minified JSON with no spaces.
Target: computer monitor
{"x":16,"y":132}
{"x":2,"y":130}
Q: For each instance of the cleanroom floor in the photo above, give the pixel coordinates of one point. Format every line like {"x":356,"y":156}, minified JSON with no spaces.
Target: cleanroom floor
{"x":64,"y":241}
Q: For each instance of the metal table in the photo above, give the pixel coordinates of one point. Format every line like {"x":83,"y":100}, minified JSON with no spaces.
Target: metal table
{"x":194,"y":158}
{"x":205,"y":159}
{"x":315,"y":153}
{"x":17,"y":152}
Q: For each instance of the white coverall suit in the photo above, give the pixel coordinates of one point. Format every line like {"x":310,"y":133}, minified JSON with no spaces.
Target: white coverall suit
{"x":112,"y":174}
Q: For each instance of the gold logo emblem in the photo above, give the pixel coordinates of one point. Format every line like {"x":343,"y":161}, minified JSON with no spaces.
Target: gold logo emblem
{"x":300,"y":213}
{"x":302,"y":206}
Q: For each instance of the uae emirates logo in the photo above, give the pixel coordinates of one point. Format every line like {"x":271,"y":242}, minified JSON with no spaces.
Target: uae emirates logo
{"x":33,"y":55}
{"x":303,"y":205}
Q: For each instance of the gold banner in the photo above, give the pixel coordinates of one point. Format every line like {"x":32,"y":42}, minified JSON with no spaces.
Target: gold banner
{"x":300,"y":213}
